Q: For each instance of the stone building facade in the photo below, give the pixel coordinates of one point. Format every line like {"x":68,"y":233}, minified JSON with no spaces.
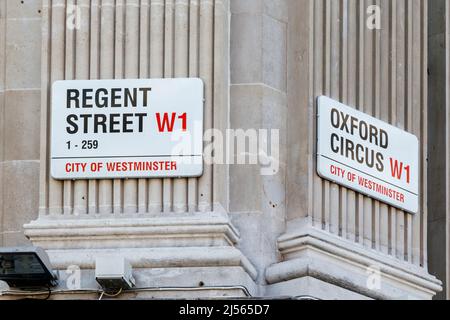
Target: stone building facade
{"x":234,"y":232}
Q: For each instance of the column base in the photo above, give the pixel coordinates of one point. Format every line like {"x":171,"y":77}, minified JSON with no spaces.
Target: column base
{"x":344,"y":270}
{"x":173,"y":255}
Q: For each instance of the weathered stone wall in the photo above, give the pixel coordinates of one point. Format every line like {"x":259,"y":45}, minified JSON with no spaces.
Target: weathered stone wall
{"x":258,"y":96}
{"x":263,"y":62}
{"x":20,"y":92}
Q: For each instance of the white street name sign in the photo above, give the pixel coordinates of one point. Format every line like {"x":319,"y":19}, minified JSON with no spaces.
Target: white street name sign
{"x":367,"y":155}
{"x":110,"y":129}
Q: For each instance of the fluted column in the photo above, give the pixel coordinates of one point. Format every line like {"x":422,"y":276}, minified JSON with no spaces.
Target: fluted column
{"x":133,"y":39}
{"x":381,"y":72}
{"x":172,"y":220}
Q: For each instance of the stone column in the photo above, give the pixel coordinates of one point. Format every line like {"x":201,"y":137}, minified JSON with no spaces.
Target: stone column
{"x":159,"y":224}
{"x":258,"y":95}
{"x":335,"y":237}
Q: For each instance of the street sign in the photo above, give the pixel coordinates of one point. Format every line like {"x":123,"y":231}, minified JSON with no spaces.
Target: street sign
{"x":367,"y":155}
{"x":110,"y":129}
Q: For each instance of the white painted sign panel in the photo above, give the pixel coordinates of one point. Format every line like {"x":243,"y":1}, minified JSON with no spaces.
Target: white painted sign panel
{"x":110,"y":129}
{"x":367,"y":155}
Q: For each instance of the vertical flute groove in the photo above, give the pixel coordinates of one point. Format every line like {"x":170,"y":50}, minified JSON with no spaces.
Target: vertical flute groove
{"x":181,"y":70}
{"x":194,"y":18}
{"x":94,"y":69}
{"x":131,"y":62}
{"x":57,"y":60}
{"x":82,"y":66}
{"x":70,"y":67}
{"x":105,"y":188}
{"x":144,"y":53}
{"x":156,"y":71}
{"x":206,"y":73}
{"x":169,"y":44}
{"x":119,"y":63}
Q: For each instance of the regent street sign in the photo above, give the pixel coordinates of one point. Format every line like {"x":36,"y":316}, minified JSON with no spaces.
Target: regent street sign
{"x":110,"y":129}
{"x":367,"y":155}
